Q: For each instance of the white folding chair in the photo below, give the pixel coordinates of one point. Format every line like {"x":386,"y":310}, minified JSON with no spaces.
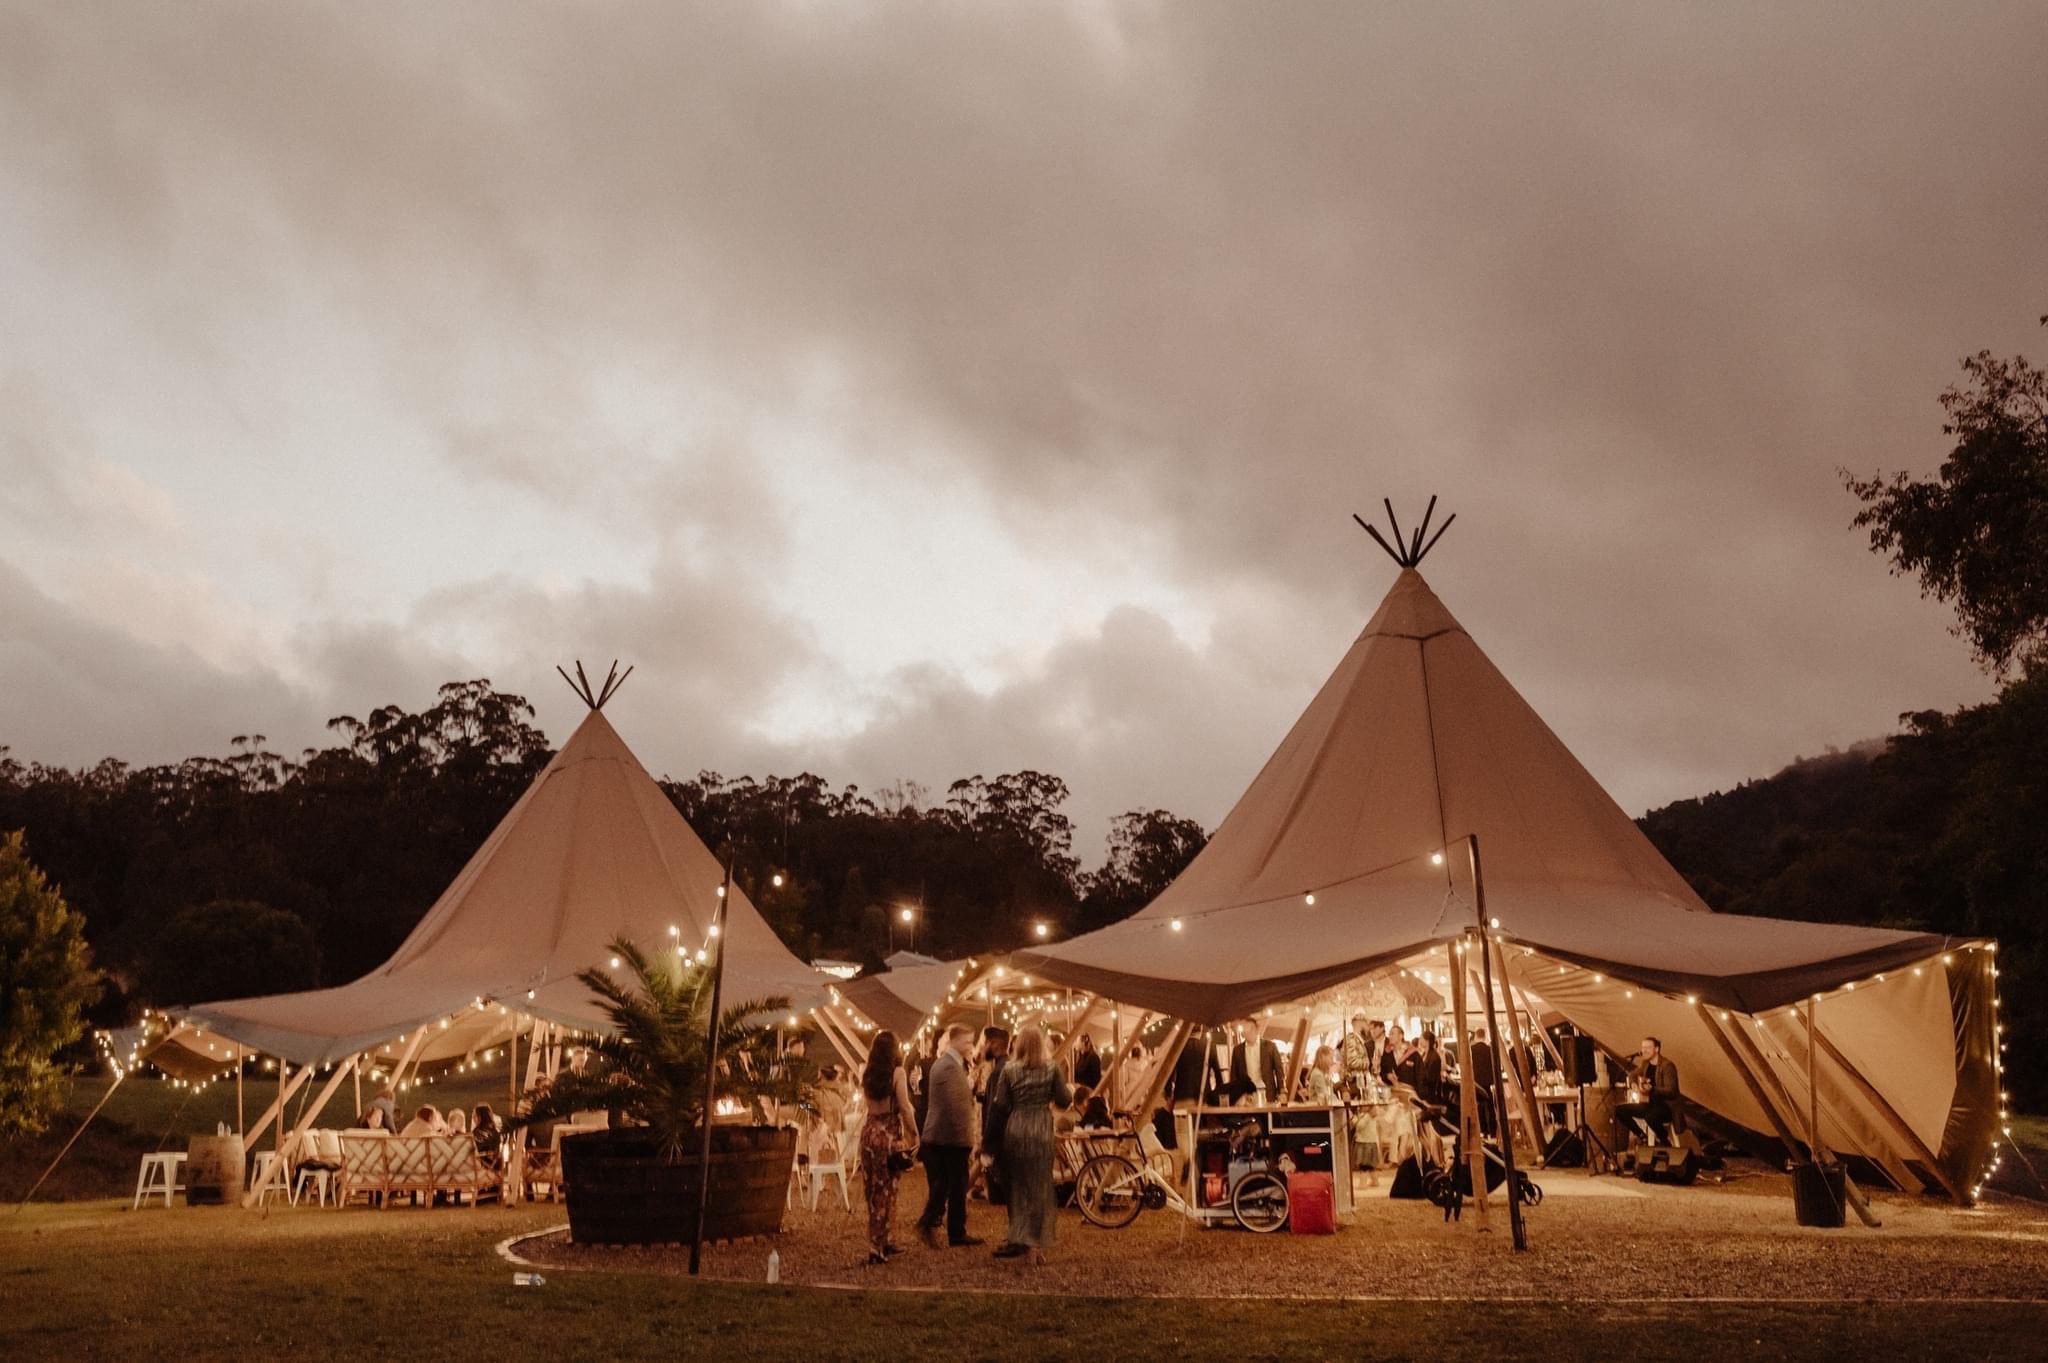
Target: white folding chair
{"x":845,"y":1158}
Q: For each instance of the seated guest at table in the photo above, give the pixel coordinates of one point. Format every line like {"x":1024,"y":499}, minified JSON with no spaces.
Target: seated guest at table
{"x":1324,"y":1079}
{"x":486,"y":1131}
{"x":425,"y":1122}
{"x":1093,"y":1110}
{"x":1657,"y":1079}
{"x":1255,"y":1070}
{"x":372,"y":1119}
{"x":456,"y":1123}
{"x":386,"y":1104}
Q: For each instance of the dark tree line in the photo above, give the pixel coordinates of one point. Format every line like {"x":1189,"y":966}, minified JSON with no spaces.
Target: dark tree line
{"x":256,"y":873}
{"x":1943,"y":827}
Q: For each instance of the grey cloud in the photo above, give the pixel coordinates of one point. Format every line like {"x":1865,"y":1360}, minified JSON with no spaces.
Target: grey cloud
{"x":1626,"y":285}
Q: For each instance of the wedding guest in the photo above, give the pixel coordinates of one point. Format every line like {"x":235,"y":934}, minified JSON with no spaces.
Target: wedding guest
{"x":1021,"y":1128}
{"x":887,"y":1132}
{"x":948,"y":1141}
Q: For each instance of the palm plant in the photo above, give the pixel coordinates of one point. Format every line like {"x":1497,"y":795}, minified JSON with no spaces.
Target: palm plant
{"x":651,"y":1066}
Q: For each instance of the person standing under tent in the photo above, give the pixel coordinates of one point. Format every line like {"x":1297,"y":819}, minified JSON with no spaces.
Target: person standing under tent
{"x":884,"y":1136}
{"x":1020,"y":1110}
{"x":948,"y":1141}
{"x":1255,"y":1070}
{"x":1087,"y":1063}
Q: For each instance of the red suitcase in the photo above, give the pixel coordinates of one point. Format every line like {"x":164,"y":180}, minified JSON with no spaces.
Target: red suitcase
{"x":1311,"y":1203}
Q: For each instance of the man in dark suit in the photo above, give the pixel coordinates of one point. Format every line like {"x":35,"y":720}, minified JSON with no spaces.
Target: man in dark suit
{"x":1657,"y":1080}
{"x":1482,"y":1081}
{"x":1256,"y":1073}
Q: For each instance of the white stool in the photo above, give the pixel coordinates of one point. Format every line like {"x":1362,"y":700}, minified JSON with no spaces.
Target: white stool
{"x":272,"y":1176}
{"x":159,"y":1174}
{"x":320,"y":1180}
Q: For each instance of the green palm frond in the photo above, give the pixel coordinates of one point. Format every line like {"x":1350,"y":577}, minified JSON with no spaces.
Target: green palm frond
{"x":650,"y":1064}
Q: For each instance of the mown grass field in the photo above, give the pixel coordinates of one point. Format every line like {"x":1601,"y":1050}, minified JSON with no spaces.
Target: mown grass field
{"x":93,"y":1281}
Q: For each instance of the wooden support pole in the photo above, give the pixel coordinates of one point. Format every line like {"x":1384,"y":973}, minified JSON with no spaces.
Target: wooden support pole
{"x":1756,"y":1089}
{"x":838,"y":1045}
{"x":1169,"y":1056}
{"x":1521,"y":1073}
{"x":309,"y":1113}
{"x":1295,"y":1060}
{"x":412,"y":1048}
{"x":845,"y":1037}
{"x":241,"y":1125}
{"x":285,"y":1089}
{"x":119,"y":1077}
{"x":1113,"y":1075}
{"x":1469,"y":1139}
{"x":1892,"y":1119}
{"x":1087,"y":1016}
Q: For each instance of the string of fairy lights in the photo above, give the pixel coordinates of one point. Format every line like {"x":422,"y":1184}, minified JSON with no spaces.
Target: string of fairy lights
{"x":1015,"y":999}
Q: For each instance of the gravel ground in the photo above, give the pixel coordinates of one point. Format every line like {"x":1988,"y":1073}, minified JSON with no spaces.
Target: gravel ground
{"x":1591,"y":1240}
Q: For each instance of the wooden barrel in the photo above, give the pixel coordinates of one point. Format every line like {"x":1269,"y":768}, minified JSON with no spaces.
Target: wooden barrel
{"x":622,"y":1192}
{"x":213,"y":1171}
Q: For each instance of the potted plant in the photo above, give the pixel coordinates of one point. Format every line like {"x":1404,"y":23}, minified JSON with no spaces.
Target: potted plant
{"x":637,"y":1182}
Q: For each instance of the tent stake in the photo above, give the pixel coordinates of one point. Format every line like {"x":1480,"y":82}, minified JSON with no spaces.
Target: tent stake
{"x":710,"y":1074}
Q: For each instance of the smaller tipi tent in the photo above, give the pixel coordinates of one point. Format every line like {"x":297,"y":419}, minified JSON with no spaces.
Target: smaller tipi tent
{"x":591,"y":852}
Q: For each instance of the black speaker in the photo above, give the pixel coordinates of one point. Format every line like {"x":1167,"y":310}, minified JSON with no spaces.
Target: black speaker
{"x":1578,"y":1060}
{"x":1565,"y":1151}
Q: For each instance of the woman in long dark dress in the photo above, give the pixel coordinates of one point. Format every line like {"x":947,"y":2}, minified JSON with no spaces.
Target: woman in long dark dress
{"x":1029,"y":1087}
{"x":886,"y":1129}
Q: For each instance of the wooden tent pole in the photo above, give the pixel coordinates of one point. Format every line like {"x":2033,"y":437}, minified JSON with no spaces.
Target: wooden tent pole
{"x":1892,"y":1118}
{"x":1756,"y":1088}
{"x":1484,"y":940}
{"x":359,"y":1082}
{"x":119,"y":1077}
{"x":1087,"y":1016}
{"x":1122,"y":1053}
{"x":709,"y":1110}
{"x":1294,"y":1062}
{"x":833,"y":1039}
{"x":1468,"y":1100}
{"x":1813,"y":1084}
{"x":1517,"y":1049}
{"x":848,"y":1040}
{"x":1169,"y":1056}
{"x":311,"y":1111}
{"x":241,"y":1125}
{"x":1116,"y":1048}
{"x":275,"y":1109}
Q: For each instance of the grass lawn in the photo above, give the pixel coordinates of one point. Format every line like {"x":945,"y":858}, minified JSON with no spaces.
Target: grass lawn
{"x":89,"y":1280}
{"x":94,"y":1281}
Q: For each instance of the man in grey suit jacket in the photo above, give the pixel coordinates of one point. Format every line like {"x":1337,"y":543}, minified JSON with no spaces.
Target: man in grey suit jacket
{"x":947,"y":1140}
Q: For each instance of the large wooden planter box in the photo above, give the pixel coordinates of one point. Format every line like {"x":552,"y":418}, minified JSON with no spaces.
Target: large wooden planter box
{"x":622,"y":1192}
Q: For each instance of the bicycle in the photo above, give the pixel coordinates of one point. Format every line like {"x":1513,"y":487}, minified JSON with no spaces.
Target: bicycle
{"x":1112,"y":1189}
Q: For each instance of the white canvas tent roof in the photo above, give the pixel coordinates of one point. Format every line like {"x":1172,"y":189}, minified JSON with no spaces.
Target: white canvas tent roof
{"x":1347,"y":855}
{"x":592,"y":851}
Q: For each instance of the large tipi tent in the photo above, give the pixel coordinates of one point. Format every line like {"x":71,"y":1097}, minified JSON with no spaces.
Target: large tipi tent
{"x":591,"y":852}
{"x":1348,"y":855}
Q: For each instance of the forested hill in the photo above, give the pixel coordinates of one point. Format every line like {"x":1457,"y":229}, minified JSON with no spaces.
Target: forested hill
{"x":1943,"y":827}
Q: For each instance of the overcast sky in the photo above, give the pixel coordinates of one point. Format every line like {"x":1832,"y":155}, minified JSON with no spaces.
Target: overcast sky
{"x":921,"y":390}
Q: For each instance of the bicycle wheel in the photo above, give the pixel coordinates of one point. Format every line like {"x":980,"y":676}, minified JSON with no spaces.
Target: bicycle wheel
{"x":1260,"y":1203}
{"x":1109,"y":1191}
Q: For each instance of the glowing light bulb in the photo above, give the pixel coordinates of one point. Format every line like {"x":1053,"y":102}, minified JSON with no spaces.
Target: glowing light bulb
{"x":1436,"y":858}
{"x":776,"y":880}
{"x":1041,"y":930}
{"x":1309,"y":900}
{"x":715,"y":929}
{"x":1175,"y":925}
{"x":615,"y":963}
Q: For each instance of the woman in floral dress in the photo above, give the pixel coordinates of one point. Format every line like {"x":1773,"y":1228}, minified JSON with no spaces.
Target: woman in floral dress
{"x":887,"y":1129}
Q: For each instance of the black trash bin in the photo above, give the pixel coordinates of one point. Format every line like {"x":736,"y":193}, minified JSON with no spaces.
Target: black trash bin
{"x":1820,"y":1194}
